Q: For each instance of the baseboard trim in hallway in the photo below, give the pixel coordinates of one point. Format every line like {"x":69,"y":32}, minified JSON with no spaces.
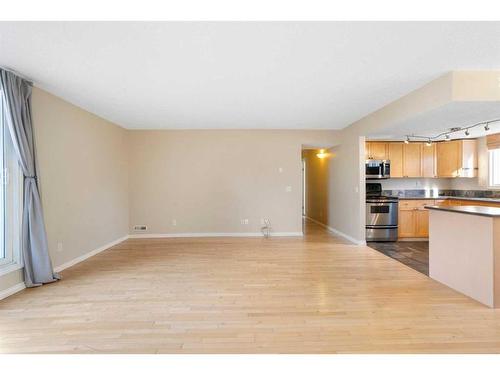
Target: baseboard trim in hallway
{"x":338,"y":232}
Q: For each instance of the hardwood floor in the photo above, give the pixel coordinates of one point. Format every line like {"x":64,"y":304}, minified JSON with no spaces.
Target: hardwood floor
{"x":315,"y":294}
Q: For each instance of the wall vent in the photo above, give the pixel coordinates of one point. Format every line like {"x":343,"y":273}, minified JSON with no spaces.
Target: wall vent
{"x":140,"y":228}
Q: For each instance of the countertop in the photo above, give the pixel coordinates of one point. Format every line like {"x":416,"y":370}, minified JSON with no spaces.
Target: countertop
{"x":492,"y":200}
{"x":470,"y":210}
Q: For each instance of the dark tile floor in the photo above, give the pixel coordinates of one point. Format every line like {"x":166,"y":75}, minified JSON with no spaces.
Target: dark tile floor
{"x":413,"y":254}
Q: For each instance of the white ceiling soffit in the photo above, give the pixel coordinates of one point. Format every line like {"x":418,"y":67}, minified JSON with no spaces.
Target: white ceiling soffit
{"x":453,"y":114}
{"x":264,"y":75}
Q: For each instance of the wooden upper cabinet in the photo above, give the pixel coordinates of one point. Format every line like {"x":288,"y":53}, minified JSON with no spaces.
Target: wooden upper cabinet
{"x":468,"y":158}
{"x":367,"y":150}
{"x":429,"y":161}
{"x":412,"y":160}
{"x":395,"y":155}
{"x":448,"y":159}
{"x":377,"y":150}
{"x":457,"y":158}
{"x":442,"y":159}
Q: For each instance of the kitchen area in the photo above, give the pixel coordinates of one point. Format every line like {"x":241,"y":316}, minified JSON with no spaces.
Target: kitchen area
{"x":405,"y":178}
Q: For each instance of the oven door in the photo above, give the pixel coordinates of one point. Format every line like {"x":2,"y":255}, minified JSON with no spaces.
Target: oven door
{"x":381,"y":214}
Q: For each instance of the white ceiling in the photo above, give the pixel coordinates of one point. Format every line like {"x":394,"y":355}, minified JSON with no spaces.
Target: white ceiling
{"x":291,"y":75}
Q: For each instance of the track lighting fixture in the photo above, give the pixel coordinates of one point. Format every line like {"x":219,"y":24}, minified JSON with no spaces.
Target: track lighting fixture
{"x":446,"y":134}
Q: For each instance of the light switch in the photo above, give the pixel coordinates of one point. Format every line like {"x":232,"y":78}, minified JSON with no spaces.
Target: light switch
{"x":288,"y":189}
{"x":280,"y":170}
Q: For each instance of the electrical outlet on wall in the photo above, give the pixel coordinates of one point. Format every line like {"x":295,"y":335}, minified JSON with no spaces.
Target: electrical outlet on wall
{"x":288,"y":189}
{"x":244,"y":221}
{"x":174,"y":222}
{"x":60,"y":247}
{"x":140,"y":228}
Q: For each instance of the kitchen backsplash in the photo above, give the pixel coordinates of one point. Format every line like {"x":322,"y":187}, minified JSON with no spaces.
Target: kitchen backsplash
{"x":415,"y":183}
{"x":442,"y":192}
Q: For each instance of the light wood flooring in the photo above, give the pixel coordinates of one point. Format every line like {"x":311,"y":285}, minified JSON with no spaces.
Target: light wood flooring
{"x":315,"y":294}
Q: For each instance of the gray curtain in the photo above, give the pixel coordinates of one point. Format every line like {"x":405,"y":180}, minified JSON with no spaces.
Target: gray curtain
{"x":17,"y":103}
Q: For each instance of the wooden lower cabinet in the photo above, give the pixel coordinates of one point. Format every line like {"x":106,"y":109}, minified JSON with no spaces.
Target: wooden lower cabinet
{"x":421,"y":222}
{"x":406,"y":223}
{"x":462,"y":202}
{"x":413,"y":220}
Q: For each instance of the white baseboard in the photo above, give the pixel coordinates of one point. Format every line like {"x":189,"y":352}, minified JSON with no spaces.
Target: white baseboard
{"x":338,"y":233}
{"x":12,"y":290}
{"x":212,"y":234}
{"x":89,"y":254}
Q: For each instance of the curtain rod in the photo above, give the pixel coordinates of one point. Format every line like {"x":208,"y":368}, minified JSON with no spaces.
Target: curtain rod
{"x":17,"y":74}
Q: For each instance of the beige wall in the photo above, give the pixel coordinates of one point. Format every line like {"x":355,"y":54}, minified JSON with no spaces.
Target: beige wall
{"x":209,"y":180}
{"x":317,"y":179}
{"x":83,"y":176}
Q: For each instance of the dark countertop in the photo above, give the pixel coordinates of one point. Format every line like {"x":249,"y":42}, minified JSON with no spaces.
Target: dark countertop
{"x":492,"y":200}
{"x":470,"y":210}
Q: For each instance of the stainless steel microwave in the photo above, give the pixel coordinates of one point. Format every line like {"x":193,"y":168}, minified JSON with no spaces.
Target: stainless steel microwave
{"x":377,"y":169}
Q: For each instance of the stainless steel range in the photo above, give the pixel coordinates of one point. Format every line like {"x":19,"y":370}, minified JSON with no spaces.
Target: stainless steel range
{"x":381,"y":215}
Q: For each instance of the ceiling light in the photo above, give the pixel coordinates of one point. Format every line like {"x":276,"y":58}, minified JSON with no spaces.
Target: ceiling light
{"x":321,"y":154}
{"x":407,"y":140}
{"x":487,"y":126}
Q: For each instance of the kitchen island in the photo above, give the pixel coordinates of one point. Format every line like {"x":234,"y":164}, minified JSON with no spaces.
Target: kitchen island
{"x":464,"y":250}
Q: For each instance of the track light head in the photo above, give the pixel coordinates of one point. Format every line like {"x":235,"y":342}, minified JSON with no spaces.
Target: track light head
{"x":487,"y":126}
{"x":407,"y":140}
{"x":429,"y":142}
{"x":467,"y":133}
{"x":447,"y":137}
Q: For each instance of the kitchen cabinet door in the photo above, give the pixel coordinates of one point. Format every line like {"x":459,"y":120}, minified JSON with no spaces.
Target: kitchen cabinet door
{"x":406,"y":223}
{"x":412,"y":160}
{"x":421,"y":222}
{"x":395,"y":154}
{"x":429,"y":160}
{"x":378,"y":151}
{"x":448,"y":159}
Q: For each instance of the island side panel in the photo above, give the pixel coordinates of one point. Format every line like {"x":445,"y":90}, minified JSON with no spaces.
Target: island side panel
{"x":461,"y":253}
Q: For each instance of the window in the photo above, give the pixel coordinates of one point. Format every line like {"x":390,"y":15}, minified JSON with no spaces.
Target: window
{"x":494,"y":168}
{"x":10,"y":200}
